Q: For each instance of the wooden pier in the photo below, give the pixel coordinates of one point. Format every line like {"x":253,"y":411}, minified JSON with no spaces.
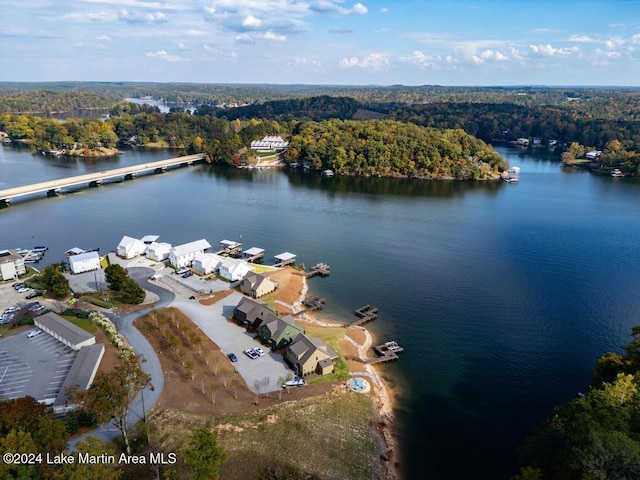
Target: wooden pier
{"x":365,"y":314}
{"x":311,"y":303}
{"x":387,"y":352}
{"x":230,"y":248}
{"x":320,"y":269}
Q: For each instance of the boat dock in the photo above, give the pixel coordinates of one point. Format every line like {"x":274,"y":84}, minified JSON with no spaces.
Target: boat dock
{"x":253,"y":255}
{"x":320,"y":269}
{"x":311,"y":303}
{"x":365,"y":314}
{"x":230,"y":248}
{"x":387,"y":352}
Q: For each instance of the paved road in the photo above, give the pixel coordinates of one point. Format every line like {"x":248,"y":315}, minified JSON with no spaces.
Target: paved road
{"x":152,"y":366}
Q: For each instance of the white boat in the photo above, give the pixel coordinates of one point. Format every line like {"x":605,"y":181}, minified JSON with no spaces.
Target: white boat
{"x":616,"y":172}
{"x":328,"y":173}
{"x":296,"y":382}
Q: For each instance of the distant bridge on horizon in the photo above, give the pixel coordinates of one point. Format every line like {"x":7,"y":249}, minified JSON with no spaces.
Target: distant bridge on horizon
{"x":53,"y":187}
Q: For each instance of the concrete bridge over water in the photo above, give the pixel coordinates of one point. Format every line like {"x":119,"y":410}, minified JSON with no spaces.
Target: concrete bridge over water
{"x":53,"y":187}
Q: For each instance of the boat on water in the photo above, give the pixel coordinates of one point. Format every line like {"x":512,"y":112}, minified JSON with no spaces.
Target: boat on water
{"x":616,"y":172}
{"x":513,"y":175}
{"x":328,"y":173}
{"x":40,"y":248}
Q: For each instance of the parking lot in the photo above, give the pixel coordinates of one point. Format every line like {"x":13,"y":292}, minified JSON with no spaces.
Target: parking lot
{"x":10,"y":298}
{"x":34,"y":366}
{"x":232,"y":338}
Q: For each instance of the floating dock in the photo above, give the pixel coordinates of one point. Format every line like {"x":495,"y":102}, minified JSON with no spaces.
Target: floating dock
{"x":321,"y":269}
{"x":387,"y":352}
{"x":365,"y":314}
{"x":311,"y":303}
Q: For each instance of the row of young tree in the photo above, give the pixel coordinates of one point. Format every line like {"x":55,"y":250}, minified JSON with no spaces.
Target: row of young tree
{"x":597,"y":435}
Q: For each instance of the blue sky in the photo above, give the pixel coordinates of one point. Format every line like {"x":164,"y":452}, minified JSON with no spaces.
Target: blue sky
{"x":446,"y":42}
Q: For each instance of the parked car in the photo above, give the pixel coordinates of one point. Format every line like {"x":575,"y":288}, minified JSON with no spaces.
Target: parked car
{"x":259,"y":351}
{"x":12,"y":310}
{"x":232,"y":357}
{"x":186,"y":274}
{"x":251,"y":353}
{"x":33,"y":295}
{"x":6,"y":318}
{"x":23,"y":290}
{"x":33,"y":333}
{"x":18,"y":286}
{"x":37,"y":308}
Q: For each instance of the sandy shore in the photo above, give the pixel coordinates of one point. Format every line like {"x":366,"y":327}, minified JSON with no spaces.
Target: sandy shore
{"x":380,"y":391}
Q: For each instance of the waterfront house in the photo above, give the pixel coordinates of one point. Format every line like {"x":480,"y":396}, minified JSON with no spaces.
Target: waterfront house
{"x":206,"y":263}
{"x":309,"y":355}
{"x":233,"y":270}
{"x":84,"y":262}
{"x":11,"y":264}
{"x":257,"y":284}
{"x":278,"y":332}
{"x":252,"y":313}
{"x":182,"y":255}
{"x":130,"y":247}
{"x":149,"y":239}
{"x":158,"y":251}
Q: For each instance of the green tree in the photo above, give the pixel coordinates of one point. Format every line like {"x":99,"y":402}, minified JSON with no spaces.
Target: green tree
{"x":110,"y":396}
{"x":131,"y":292}
{"x":115,"y":275}
{"x":84,"y":471}
{"x":203,"y":455}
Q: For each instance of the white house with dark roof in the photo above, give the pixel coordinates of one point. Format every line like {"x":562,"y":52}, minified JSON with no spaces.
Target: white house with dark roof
{"x":130,"y":247}
{"x":66,"y":332}
{"x":182,"y":255}
{"x":84,"y":262}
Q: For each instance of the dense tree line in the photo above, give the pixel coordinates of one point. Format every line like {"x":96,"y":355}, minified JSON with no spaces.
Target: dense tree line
{"x":595,"y":436}
{"x":388,"y":148}
{"x":47,"y":102}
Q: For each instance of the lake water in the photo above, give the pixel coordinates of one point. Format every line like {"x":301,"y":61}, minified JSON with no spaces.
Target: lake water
{"x":503,"y":295}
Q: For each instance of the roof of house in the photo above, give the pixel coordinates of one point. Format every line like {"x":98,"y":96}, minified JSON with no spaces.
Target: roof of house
{"x":285,"y":256}
{"x":208,"y":259}
{"x":84,"y":256}
{"x":81,"y":371}
{"x":150,"y":238}
{"x":191,"y":247}
{"x":74,"y":251}
{"x":253,"y":251}
{"x":232,"y":265}
{"x":9,"y":256}
{"x":159,"y":245}
{"x":305,"y":347}
{"x":256,"y":279}
{"x":253,"y":310}
{"x":128,"y":242}
{"x":65,"y":329}
{"x":278,"y":325}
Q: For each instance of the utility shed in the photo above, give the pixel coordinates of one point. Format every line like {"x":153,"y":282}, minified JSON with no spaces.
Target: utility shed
{"x":84,"y":262}
{"x":72,"y":336}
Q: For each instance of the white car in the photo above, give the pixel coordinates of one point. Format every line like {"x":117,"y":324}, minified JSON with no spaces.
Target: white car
{"x":23,"y":290}
{"x":259,"y":351}
{"x":34,"y":333}
{"x":251,"y":353}
{"x":12,"y":310}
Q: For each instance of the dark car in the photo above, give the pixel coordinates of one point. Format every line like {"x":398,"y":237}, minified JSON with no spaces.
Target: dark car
{"x":232,"y":357}
{"x":34,"y":295}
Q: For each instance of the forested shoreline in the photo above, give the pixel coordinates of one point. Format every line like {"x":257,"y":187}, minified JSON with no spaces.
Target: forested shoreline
{"x":574,"y":120}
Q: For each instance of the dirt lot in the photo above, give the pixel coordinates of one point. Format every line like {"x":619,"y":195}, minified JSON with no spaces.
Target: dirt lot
{"x":199,"y":378}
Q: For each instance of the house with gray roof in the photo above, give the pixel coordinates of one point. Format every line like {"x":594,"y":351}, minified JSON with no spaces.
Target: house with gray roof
{"x":279,"y":332}
{"x":257,"y":284}
{"x":309,"y":355}
{"x":81,"y":375}
{"x":66,"y":332}
{"x":252,"y":313}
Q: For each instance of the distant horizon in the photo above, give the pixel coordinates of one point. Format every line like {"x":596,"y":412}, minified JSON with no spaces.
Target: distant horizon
{"x":325,"y":85}
{"x":324,"y":42}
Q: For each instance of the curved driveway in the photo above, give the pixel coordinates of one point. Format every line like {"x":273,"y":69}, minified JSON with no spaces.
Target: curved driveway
{"x":147,"y":398}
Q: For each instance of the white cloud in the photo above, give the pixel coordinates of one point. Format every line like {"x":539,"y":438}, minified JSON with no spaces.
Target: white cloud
{"x":137,"y":17}
{"x":550,"y":51}
{"x":251,"y":22}
{"x":163,"y":55}
{"x":181,"y":46}
{"x":245,"y":38}
{"x":326,"y":6}
{"x":419,"y":59}
{"x":340,"y":30}
{"x":582,"y":39}
{"x":359,"y":9}
{"x":384,"y":10}
{"x":103,"y":38}
{"x":373,"y":61}
{"x":81,"y":17}
{"x":274,"y":36}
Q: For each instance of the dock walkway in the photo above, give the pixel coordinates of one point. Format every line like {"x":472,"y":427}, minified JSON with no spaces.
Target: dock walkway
{"x":365,"y":314}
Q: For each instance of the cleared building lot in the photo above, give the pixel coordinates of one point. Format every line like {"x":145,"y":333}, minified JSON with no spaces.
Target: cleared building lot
{"x":231,"y":338}
{"x":33,"y":366}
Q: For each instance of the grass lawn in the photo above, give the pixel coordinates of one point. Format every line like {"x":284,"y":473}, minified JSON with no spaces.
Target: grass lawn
{"x":332,"y":337}
{"x":82,"y":323}
{"x":262,"y":268}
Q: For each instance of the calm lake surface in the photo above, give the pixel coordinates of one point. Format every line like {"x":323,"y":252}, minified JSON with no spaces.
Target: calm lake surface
{"x":503,"y":295}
